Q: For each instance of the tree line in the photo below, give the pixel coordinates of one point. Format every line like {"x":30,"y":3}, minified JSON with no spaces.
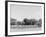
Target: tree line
{"x":26,"y":22}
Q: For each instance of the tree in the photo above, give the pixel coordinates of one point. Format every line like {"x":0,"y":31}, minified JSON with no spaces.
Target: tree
{"x":23,"y":22}
{"x":40,"y":20}
{"x":39,"y":24}
{"x":13,"y":21}
{"x":19,"y":23}
{"x":26,"y":21}
{"x":33,"y":21}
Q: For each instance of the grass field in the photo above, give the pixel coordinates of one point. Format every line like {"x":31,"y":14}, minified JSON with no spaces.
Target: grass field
{"x":21,"y":28}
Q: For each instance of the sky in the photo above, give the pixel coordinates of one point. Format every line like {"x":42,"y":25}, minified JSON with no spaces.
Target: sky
{"x":20,"y":12}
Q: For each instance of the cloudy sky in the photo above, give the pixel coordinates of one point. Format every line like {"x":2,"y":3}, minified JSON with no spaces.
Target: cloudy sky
{"x":20,"y":12}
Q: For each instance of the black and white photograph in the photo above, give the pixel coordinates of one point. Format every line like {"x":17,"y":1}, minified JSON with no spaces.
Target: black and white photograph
{"x":25,"y":18}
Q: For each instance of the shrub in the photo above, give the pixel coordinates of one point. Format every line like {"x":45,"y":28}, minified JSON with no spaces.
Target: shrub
{"x":18,"y":23}
{"x":12,"y":23}
{"x":38,"y":23}
{"x":40,"y":20}
{"x":33,"y":21}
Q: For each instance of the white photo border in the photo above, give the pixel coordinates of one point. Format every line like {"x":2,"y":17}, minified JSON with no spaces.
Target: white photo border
{"x":7,"y":26}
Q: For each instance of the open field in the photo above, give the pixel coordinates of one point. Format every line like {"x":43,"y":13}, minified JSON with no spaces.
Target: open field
{"x":21,"y":28}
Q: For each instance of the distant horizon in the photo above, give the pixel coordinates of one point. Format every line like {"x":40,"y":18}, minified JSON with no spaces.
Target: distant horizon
{"x":24,"y":18}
